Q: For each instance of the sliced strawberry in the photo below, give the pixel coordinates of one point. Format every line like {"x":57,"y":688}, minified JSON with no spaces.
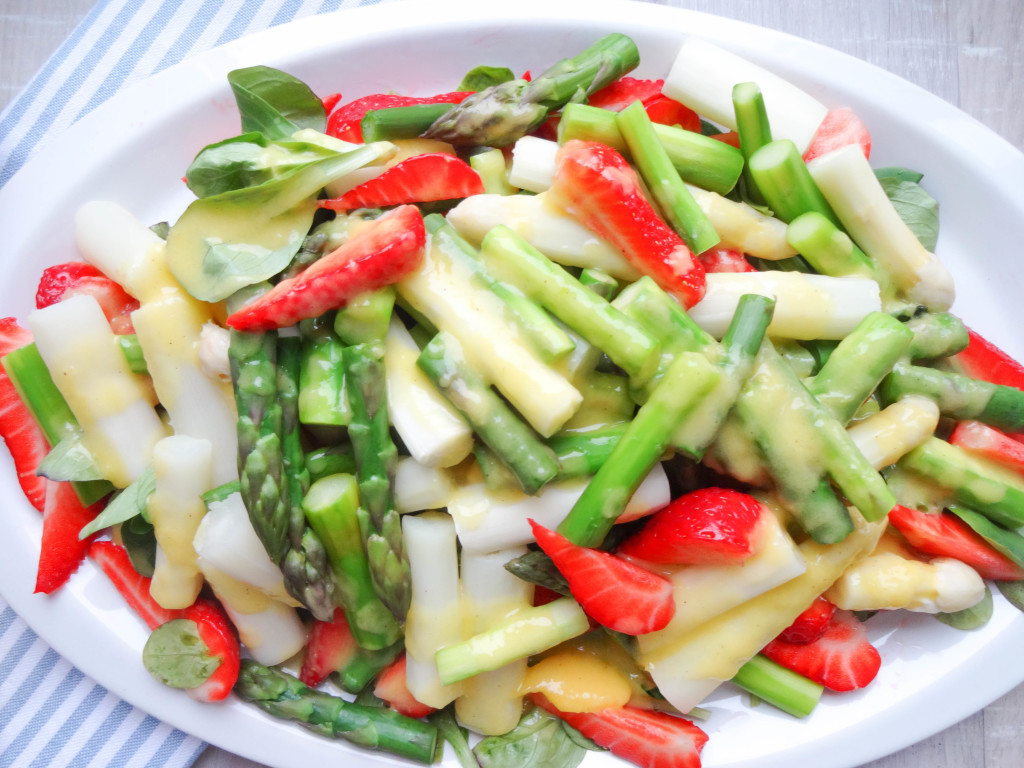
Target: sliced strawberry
{"x":417,"y":179}
{"x":391,"y":687}
{"x":708,"y":526}
{"x":644,"y":737}
{"x":670,"y":112}
{"x":729,"y":137}
{"x":345,"y":121}
{"x":383,"y":252}
{"x":75,"y":278}
{"x":811,"y":624}
{"x":215,"y":628}
{"x":330,"y":646}
{"x":19,"y":430}
{"x":989,"y":443}
{"x":725,"y":260}
{"x":619,"y":94}
{"x":61,"y":551}
{"x":842,"y":659}
{"x":946,"y":535}
{"x":616,"y":593}
{"x":840,"y":128}
{"x":984,"y":360}
{"x":113,"y":559}
{"x":330,"y":102}
{"x":596,"y":184}
{"x":221,"y":640}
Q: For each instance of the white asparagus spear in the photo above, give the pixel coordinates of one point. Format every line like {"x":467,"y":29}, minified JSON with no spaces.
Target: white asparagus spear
{"x":248,"y":584}
{"x":851,"y":188}
{"x":183,"y":472}
{"x":113,"y":405}
{"x":703,"y":75}
{"x":806,"y":306}
{"x":488,"y":523}
{"x":430,"y":427}
{"x":434,"y":619}
{"x":491,"y":702}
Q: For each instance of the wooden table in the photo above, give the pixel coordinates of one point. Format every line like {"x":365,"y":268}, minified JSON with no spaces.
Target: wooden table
{"x":965,"y":51}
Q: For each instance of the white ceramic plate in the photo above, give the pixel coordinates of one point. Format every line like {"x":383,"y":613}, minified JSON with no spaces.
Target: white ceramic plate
{"x":135,"y":148}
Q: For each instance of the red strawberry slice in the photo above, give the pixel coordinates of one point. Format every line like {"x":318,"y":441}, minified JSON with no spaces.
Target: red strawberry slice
{"x":616,"y":593}
{"x":392,"y":688}
{"x":330,"y":646}
{"x":725,"y":260}
{"x":417,"y":179}
{"x":946,"y":535}
{"x":644,"y":737}
{"x":61,"y":551}
{"x":221,"y":640}
{"x":842,"y":659}
{"x":113,"y":559}
{"x":19,"y":430}
{"x":670,"y":112}
{"x":984,"y":360}
{"x":75,"y":278}
{"x":330,"y":102}
{"x":811,"y":624}
{"x":840,"y":128}
{"x":215,"y":628}
{"x":595,"y":183}
{"x":708,"y":526}
{"x":345,"y":121}
{"x":728,"y":137}
{"x":619,"y":94}
{"x":382,"y":253}
{"x":989,"y":443}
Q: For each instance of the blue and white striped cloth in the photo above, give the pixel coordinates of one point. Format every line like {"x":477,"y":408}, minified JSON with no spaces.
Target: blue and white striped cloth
{"x":50,"y":713}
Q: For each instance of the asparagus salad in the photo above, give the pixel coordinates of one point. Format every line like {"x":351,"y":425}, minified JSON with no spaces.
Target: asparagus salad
{"x":522,"y":417}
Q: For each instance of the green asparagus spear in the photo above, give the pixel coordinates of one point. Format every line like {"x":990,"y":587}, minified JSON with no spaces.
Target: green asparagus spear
{"x":674,"y":200}
{"x":936,"y":334}
{"x":307,"y":571}
{"x":31,"y":378}
{"x":679,"y":393}
{"x":253,"y":357}
{"x":332,"y":505}
{"x":285,"y":697}
{"x":512,"y":259}
{"x":400,"y":122}
{"x":700,"y":160}
{"x":958,"y":396}
{"x":980,"y":485}
{"x":752,"y":126}
{"x":499,"y":115}
{"x":781,"y":687}
{"x":492,"y":419}
{"x":322,"y":378}
{"x":859,"y":362}
{"x":549,"y":340}
{"x":375,"y":458}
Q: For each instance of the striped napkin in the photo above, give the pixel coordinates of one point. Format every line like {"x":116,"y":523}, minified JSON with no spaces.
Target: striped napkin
{"x":50,"y":713}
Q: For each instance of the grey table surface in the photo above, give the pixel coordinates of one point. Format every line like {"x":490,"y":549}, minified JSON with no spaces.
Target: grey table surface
{"x":965,"y":51}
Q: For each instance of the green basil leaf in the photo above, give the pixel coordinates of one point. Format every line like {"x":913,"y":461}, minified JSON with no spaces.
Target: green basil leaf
{"x":247,"y":161}
{"x":139,"y":539}
{"x":454,"y":734}
{"x":896,"y":172}
{"x":70,"y":460}
{"x":176,"y":656}
{"x":244,"y":236}
{"x":916,"y":207}
{"x":539,"y":741}
{"x":125,"y":505}
{"x":484,"y":76}
{"x":970,"y":618}
{"x":275,"y":103}
{"x":1013,"y":591}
